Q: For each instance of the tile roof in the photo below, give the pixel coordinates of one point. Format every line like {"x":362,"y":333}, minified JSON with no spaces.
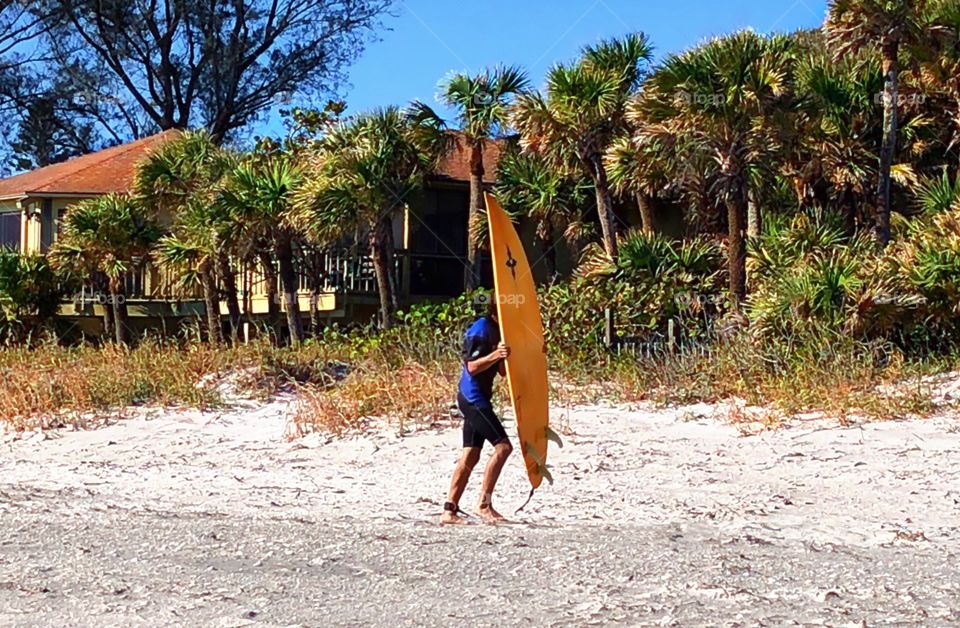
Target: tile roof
{"x":457,"y":164}
{"x":112,"y":169}
{"x":108,"y":170}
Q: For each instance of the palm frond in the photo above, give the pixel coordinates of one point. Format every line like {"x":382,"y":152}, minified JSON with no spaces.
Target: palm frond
{"x":368,"y":167}
{"x":482,"y":101}
{"x":938,"y":195}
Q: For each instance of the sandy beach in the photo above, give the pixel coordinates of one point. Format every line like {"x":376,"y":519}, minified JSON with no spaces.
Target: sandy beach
{"x":658,"y":516}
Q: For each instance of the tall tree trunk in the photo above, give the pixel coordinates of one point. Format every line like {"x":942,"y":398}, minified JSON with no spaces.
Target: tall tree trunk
{"x":101,"y":287}
{"x":381,"y":251}
{"x":290,"y":288}
{"x":891,"y":70}
{"x":737,"y":245}
{"x":118,"y":300}
{"x":477,"y":207}
{"x":315,"y":323}
{"x":576,"y":249}
{"x":646,"y":213}
{"x":608,"y":225}
{"x":108,"y":318}
{"x":754,"y":218}
{"x":316,"y":288}
{"x":211,"y":302}
{"x":270,"y":279}
{"x":313,"y":281}
{"x":230,"y":293}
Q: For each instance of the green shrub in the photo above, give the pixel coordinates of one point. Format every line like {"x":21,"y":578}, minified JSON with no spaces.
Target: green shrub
{"x":807,"y":276}
{"x":936,"y":196}
{"x":654,"y":280}
{"x":30,"y":295}
{"x":788,"y":241}
{"x":928,"y":268}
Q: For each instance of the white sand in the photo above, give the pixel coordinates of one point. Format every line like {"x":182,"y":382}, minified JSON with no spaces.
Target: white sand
{"x":870,"y":484}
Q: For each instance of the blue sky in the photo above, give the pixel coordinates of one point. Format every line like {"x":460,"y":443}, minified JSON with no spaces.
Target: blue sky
{"x":430,"y":39}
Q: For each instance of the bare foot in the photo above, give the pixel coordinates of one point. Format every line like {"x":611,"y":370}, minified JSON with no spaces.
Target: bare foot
{"x":489,"y":515}
{"x":450,"y":518}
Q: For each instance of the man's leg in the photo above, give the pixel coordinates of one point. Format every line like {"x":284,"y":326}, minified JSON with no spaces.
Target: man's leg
{"x":461,"y":474}
{"x":501,"y":451}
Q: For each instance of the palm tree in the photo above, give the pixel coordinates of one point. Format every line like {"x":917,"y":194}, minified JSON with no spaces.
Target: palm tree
{"x":31,"y":292}
{"x":711,"y":106}
{"x":640,"y":170}
{"x":529,"y":187}
{"x":260,"y":194}
{"x":573,"y":125}
{"x":109,"y":234}
{"x":182,"y":180}
{"x":482,"y":103}
{"x":839,"y":124}
{"x":888,"y":25}
{"x":192,"y":250}
{"x":362,"y":175}
{"x":938,"y":195}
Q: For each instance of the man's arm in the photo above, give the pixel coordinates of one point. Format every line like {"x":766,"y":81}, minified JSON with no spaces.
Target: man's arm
{"x":502,"y":352}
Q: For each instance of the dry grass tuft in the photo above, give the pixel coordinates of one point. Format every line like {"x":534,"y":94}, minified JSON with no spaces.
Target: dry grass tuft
{"x":346,"y":382}
{"x":51,"y":386}
{"x":412,"y":391}
{"x":848,"y":379}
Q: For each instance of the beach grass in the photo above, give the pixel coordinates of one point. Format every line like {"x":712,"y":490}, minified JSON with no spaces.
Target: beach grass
{"x":408,"y":376}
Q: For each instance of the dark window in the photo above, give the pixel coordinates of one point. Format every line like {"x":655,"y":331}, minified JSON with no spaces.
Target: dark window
{"x":46,"y":225}
{"x":439,"y":222}
{"x":436,"y":276}
{"x":10,"y":230}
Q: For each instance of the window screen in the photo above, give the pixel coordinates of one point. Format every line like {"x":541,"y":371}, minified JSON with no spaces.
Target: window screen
{"x":10,"y":230}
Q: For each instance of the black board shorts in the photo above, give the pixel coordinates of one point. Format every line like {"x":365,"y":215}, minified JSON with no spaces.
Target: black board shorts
{"x":480,"y":424}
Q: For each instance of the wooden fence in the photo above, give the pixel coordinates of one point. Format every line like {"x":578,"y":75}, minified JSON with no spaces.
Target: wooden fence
{"x":655,"y":345}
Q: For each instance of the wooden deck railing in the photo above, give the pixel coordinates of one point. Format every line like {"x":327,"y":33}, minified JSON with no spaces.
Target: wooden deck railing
{"x":339,"y":271}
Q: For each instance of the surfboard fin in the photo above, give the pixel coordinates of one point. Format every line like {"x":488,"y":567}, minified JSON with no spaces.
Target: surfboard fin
{"x":553,"y":437}
{"x":541,"y":466}
{"x":542,"y":470}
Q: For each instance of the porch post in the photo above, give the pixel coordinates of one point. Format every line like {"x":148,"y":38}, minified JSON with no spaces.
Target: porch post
{"x":32,"y":226}
{"x":247,"y":272}
{"x":405,"y":263}
{"x":24,"y":232}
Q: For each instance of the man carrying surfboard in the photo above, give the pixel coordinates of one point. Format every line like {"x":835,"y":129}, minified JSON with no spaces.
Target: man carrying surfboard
{"x":483,"y":358}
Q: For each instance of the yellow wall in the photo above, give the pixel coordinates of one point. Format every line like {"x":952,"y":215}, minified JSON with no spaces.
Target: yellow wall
{"x":32,"y":242}
{"x":34,"y":229}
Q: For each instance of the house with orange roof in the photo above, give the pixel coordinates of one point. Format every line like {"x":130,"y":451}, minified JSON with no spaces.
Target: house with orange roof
{"x":430,"y":232}
{"x":32,"y":203}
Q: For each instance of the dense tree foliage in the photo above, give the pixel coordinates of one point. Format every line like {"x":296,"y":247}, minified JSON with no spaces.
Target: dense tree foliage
{"x":785,"y":182}
{"x":129,"y":68}
{"x":362,"y":175}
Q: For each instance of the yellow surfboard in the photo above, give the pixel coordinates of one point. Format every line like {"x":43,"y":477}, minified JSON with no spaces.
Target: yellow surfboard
{"x":521,"y":328}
